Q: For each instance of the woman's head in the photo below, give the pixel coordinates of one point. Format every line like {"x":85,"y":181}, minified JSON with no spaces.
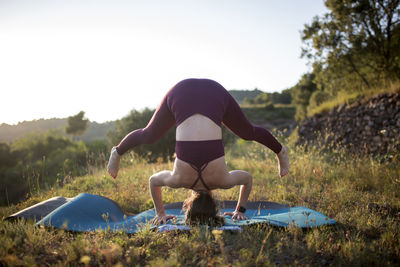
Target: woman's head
{"x":201,"y":208}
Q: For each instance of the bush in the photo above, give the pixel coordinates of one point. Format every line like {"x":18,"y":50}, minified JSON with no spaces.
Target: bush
{"x":269,"y":106}
{"x":38,"y":160}
{"x":316,"y":99}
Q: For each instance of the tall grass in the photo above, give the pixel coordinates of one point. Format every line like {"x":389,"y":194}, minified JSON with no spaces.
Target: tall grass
{"x":362,"y":194}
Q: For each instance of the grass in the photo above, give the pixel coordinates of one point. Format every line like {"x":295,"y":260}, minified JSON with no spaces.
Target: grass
{"x":362,"y":194}
{"x":270,"y":112}
{"x":349,"y":97}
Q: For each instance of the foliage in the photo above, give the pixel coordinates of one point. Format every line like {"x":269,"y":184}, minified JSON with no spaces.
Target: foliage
{"x":316,"y":99}
{"x":240,"y":95}
{"x":77,"y":125}
{"x":41,"y":160}
{"x":353,"y":50}
{"x":9,"y":133}
{"x":270,"y":98}
{"x":349,"y":97}
{"x":356,"y":45}
{"x":362,"y":194}
{"x":301,"y":94}
{"x":95,"y":131}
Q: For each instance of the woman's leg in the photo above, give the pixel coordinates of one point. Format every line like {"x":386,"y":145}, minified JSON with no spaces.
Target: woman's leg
{"x":161,"y":122}
{"x":158,"y":126}
{"x":237,"y":122}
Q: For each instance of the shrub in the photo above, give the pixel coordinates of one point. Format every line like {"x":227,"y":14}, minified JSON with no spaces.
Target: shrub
{"x":39,"y":160}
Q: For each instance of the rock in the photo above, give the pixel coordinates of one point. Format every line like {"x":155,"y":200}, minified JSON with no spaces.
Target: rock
{"x":339,"y":108}
{"x":363,"y":127}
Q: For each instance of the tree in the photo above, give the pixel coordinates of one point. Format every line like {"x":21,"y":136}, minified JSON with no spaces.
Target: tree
{"x":270,"y":98}
{"x":316,"y":99}
{"x":301,"y":94}
{"x":37,"y":160}
{"x":356,"y":45}
{"x":77,"y":125}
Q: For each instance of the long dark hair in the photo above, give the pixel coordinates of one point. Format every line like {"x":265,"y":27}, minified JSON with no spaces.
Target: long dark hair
{"x":201,"y":208}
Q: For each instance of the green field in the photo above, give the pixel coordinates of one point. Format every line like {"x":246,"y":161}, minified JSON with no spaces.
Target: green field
{"x":362,"y":194}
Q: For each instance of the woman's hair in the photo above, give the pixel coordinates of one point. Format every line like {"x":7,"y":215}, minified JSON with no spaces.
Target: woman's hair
{"x":201,"y":208}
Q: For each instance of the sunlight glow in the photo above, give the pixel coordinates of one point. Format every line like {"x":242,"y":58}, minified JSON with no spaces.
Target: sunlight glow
{"x":106,"y":58}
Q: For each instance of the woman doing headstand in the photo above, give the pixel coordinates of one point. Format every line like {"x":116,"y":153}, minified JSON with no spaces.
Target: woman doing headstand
{"x":198,"y":107}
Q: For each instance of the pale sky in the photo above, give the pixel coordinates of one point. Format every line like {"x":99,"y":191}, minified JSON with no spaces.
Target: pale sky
{"x":58,"y":57}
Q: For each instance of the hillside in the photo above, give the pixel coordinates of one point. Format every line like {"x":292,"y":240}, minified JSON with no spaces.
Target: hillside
{"x":359,"y":193}
{"x":95,"y":131}
{"x":333,"y":183}
{"x":240,"y":95}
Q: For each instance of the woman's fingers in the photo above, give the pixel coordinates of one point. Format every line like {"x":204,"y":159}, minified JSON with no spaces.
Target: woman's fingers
{"x":241,"y":218}
{"x":162,"y":219}
{"x":235,"y":216}
{"x":166,"y":218}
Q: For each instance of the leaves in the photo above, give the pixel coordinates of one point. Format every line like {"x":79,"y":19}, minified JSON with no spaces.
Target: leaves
{"x":355,"y":46}
{"x":77,"y":125}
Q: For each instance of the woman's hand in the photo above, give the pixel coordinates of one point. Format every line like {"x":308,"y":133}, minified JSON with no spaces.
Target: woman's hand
{"x":236,"y":215}
{"x":162,"y":219}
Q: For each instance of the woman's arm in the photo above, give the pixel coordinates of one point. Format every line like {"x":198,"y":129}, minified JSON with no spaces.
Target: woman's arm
{"x":245,"y":190}
{"x":245,"y":180}
{"x":156,"y":182}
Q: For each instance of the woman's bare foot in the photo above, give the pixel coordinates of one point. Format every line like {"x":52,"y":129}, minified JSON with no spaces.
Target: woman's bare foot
{"x":283,"y":158}
{"x":113,"y":163}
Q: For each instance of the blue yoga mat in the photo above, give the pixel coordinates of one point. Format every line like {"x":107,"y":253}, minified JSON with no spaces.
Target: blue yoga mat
{"x":87,"y":212}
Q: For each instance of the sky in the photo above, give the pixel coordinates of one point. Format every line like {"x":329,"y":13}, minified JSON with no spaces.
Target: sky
{"x":58,"y":57}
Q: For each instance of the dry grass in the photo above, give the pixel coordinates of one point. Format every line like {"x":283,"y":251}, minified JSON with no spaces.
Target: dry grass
{"x":349,"y":97}
{"x":362,"y":194}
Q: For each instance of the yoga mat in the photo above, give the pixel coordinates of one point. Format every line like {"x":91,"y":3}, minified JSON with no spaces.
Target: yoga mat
{"x":39,"y":210}
{"x":87,"y":212}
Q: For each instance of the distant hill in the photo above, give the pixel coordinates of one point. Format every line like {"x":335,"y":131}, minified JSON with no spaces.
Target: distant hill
{"x":240,"y":95}
{"x":95,"y":131}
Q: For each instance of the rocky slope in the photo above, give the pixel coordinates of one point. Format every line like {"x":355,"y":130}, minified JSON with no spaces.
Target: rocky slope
{"x":364,"y":126}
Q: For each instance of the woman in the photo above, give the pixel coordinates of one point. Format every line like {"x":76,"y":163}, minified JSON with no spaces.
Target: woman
{"x":198,"y":107}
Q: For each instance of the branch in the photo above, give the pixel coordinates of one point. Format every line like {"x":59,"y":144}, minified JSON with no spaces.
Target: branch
{"x":348,"y":57}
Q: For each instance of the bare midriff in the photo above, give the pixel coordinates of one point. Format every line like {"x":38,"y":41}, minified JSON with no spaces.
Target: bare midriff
{"x":198,"y":128}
